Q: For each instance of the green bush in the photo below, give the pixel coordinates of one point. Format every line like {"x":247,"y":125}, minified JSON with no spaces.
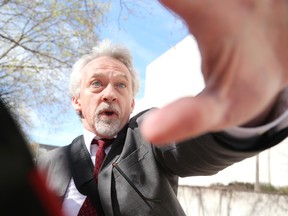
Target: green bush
{"x":244,"y":186}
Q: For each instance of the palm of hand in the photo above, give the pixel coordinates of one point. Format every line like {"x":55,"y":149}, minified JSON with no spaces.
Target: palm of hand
{"x":243,"y":44}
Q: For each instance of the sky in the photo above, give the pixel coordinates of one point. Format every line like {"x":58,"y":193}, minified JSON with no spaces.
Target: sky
{"x":148,"y":30}
{"x":148,"y":33}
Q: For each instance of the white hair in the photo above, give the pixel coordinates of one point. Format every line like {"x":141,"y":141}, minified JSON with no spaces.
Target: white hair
{"x":103,"y":48}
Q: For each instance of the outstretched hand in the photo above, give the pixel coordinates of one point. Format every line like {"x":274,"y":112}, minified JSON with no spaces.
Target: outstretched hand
{"x":244,"y":49}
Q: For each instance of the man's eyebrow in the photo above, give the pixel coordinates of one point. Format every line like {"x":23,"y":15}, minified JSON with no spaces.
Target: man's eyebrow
{"x":124,"y":76}
{"x":97,"y":74}
{"x":118,"y":75}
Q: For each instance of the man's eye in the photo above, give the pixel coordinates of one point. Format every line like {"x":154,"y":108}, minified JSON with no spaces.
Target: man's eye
{"x":121,"y":85}
{"x":96,"y":84}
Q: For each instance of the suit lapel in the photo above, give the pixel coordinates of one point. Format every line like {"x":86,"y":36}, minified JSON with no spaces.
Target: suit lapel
{"x":105,"y":174}
{"x":80,"y":163}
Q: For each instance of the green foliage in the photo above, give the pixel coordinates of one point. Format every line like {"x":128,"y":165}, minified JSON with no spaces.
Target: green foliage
{"x":245,"y":186}
{"x":268,"y":188}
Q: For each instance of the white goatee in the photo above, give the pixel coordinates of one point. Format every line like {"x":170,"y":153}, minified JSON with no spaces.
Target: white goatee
{"x":105,"y":126}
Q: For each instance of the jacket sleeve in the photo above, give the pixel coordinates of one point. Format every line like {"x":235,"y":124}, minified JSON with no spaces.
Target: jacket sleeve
{"x":211,"y":153}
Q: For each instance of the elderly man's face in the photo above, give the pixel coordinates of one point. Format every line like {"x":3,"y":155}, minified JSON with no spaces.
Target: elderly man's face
{"x":106,"y":97}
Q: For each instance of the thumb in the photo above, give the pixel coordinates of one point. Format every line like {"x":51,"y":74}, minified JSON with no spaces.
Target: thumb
{"x":184,"y":118}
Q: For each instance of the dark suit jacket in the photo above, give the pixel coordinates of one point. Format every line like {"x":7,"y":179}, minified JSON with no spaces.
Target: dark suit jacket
{"x":138,"y":178}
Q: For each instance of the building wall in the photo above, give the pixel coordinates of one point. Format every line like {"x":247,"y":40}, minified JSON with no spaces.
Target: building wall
{"x":174,"y":74}
{"x":202,"y":201}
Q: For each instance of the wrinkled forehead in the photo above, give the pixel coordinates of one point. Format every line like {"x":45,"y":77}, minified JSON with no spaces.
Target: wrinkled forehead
{"x":106,"y":63}
{"x":104,"y":66}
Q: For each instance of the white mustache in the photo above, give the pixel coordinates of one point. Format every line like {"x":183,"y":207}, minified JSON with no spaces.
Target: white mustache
{"x":104,"y":107}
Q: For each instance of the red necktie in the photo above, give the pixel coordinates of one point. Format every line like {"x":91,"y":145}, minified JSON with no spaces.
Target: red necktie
{"x":87,"y":208}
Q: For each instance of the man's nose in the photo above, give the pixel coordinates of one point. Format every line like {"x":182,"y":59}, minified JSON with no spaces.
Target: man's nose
{"x":109,"y":94}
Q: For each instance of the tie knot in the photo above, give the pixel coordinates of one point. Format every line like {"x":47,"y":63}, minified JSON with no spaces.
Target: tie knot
{"x":103,"y":143}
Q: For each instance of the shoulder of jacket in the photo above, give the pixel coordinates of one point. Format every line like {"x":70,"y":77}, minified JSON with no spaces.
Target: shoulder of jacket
{"x":51,"y":154}
{"x":54,"y":153}
{"x":139,"y":116}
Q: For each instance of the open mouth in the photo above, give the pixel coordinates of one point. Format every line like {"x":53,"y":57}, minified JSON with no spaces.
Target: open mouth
{"x":108,"y":113}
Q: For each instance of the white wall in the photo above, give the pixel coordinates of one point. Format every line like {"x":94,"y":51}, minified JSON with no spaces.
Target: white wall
{"x":273,"y":170}
{"x":177,"y":73}
{"x":174,"y":74}
{"x":220,"y":202}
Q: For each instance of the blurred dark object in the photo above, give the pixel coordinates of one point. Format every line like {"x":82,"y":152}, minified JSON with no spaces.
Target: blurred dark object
{"x":22,"y":189}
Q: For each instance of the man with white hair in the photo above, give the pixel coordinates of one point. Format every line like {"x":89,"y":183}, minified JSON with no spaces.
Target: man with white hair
{"x":138,"y":161}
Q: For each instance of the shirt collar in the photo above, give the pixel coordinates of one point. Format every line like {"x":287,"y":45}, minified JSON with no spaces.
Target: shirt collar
{"x":88,"y":137}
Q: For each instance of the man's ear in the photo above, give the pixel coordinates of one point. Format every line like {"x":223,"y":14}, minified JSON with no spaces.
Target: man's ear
{"x":132,"y":105}
{"x":76,"y":103}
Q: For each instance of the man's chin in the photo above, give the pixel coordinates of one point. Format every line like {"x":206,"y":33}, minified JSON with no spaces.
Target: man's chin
{"x":107,"y":130}
{"x":107,"y":134}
